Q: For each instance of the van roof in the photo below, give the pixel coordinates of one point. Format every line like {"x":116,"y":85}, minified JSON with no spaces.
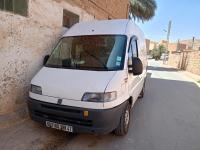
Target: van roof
{"x":103,"y":27}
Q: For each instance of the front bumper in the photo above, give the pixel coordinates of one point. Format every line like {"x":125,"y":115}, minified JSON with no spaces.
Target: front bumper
{"x":98,"y":121}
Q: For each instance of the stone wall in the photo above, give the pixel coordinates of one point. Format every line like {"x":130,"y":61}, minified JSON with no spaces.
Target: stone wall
{"x":187,"y":60}
{"x":104,"y":9}
{"x":174,"y":60}
{"x":24,"y":41}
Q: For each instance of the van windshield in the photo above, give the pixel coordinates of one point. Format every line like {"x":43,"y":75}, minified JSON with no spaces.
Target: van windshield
{"x":91,"y":52}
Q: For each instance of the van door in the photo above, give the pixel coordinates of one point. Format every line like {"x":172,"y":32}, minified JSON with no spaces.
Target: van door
{"x":134,"y":81}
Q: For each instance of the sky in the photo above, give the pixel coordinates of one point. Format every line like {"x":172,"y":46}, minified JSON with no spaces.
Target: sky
{"x":185,"y":17}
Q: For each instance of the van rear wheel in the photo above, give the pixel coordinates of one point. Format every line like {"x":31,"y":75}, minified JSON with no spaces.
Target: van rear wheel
{"x":123,"y":126}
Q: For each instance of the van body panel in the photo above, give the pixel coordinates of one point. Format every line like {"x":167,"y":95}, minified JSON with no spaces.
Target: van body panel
{"x":98,"y":28}
{"x":135,"y":86}
{"x":118,"y":83}
{"x":71,"y":84}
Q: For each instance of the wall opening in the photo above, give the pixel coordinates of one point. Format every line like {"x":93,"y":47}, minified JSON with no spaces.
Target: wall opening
{"x":69,"y":18}
{"x":15,"y":6}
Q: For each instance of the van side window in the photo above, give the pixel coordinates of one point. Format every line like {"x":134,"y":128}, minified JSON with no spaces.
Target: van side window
{"x":133,"y":51}
{"x":133,"y":48}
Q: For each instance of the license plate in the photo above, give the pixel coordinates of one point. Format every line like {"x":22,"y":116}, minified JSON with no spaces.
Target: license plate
{"x":58,"y":126}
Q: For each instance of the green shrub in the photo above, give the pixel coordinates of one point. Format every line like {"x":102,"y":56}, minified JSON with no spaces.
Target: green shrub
{"x":157,"y":52}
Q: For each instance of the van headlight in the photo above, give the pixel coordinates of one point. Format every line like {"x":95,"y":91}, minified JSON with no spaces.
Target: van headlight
{"x":36,"y":89}
{"x":100,"y":97}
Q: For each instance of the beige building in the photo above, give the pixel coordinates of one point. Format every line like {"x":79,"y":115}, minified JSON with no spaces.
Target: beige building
{"x":147,"y":44}
{"x":30,"y":28}
{"x":153,"y":45}
{"x":173,"y":47}
{"x":176,"y":47}
{"x":150,"y":45}
{"x":192,"y":44}
{"x":163,"y":42}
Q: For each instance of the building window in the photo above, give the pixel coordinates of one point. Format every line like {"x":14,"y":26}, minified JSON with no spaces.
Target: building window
{"x":16,"y":6}
{"x":69,"y":18}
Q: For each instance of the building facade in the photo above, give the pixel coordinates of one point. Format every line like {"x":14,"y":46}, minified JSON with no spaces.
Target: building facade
{"x":147,"y":45}
{"x":164,"y":43}
{"x":28,"y":31}
{"x":176,"y":47}
{"x":191,"y":44}
{"x":153,"y":45}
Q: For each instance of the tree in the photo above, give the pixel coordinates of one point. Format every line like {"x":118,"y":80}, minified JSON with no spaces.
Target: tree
{"x":142,"y":9}
{"x":157,"y":52}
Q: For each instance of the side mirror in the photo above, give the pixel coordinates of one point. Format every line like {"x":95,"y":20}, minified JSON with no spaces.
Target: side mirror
{"x":45,"y":59}
{"x":137,"y":67}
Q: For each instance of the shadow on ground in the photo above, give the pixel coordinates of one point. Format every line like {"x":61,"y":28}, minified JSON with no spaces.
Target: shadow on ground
{"x":162,"y":69}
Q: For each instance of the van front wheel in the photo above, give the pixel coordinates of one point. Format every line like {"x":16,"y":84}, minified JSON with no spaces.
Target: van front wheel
{"x":123,"y":126}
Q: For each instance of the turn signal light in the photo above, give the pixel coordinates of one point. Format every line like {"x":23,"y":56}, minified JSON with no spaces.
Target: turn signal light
{"x":85,"y":113}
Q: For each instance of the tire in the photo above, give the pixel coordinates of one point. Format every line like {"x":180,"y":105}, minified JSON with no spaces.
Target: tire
{"x":123,"y":126}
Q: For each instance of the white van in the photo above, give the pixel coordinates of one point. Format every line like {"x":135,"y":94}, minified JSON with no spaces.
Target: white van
{"x":92,"y":78}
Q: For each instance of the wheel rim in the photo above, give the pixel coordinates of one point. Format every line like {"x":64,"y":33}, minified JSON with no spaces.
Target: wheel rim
{"x":127,"y":117}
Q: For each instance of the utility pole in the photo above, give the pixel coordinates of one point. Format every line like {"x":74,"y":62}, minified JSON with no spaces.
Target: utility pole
{"x":168,"y":33}
{"x":193,"y":42}
{"x":167,"y":44}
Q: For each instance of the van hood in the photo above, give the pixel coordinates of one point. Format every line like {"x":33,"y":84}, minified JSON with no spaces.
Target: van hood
{"x":71,"y":84}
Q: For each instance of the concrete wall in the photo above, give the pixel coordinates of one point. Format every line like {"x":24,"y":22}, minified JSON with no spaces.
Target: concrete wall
{"x":24,"y":41}
{"x":187,"y":60}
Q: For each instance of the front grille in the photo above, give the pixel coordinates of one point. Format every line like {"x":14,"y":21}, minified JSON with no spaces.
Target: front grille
{"x":59,"y":113}
{"x":63,"y":119}
{"x":60,"y":108}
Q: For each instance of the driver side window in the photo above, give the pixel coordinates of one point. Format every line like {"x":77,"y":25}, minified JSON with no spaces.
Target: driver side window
{"x":133,"y":51}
